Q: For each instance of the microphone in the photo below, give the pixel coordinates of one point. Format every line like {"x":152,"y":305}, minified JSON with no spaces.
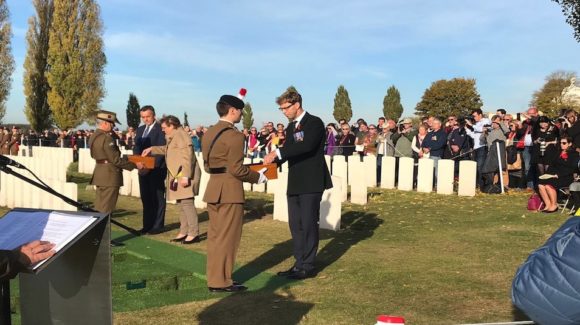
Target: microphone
{"x":5,"y":161}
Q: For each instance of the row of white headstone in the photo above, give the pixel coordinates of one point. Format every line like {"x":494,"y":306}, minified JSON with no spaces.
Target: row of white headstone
{"x":50,"y":165}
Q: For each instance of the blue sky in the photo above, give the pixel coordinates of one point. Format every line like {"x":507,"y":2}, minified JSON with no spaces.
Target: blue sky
{"x":181,"y":55}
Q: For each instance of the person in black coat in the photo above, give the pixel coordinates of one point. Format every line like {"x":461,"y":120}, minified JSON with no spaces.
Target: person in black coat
{"x":345,"y":141}
{"x":151,"y":182}
{"x":560,"y":174}
{"x":308,"y":177}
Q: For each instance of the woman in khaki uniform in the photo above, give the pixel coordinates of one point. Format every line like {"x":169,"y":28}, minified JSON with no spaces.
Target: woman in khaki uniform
{"x":183,"y":175}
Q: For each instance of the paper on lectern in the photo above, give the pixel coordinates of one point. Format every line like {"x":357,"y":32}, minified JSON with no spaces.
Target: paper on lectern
{"x":21,"y":227}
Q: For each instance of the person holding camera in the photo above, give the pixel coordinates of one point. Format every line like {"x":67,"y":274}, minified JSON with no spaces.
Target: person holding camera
{"x":571,"y":127}
{"x":403,"y":138}
{"x":183,"y":176}
{"x":545,"y":145}
{"x":474,"y":129}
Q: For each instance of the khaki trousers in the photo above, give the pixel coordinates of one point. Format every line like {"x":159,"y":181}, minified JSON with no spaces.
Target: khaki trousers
{"x":106,"y":198}
{"x":223,"y":239}
{"x":188,"y":223}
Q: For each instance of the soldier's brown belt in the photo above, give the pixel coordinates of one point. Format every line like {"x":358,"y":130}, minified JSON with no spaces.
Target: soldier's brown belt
{"x":102,"y":161}
{"x":220,"y":170}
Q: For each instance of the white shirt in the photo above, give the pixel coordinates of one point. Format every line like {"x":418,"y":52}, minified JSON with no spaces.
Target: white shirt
{"x":148,"y":129}
{"x":477,"y":132}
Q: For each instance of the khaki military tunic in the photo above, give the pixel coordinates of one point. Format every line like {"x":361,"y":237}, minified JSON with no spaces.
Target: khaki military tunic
{"x":108,"y":175}
{"x":225,"y":198}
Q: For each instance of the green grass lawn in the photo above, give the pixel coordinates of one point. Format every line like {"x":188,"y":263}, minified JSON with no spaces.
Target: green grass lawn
{"x":430,"y":258}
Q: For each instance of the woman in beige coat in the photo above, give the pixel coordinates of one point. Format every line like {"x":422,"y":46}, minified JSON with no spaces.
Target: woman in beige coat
{"x":183,"y":175}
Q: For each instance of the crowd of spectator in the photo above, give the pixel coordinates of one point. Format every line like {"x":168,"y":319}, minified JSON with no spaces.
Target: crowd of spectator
{"x":524,"y":147}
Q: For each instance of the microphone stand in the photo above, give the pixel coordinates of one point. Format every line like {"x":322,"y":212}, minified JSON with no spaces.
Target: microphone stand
{"x":5,"y":312}
{"x":68,"y":200}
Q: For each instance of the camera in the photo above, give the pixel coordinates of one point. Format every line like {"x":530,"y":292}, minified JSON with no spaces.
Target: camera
{"x":401,"y":127}
{"x":543,"y":146}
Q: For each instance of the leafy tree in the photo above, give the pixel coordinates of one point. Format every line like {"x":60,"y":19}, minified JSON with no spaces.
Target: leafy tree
{"x":342,"y":106}
{"x":247,"y":116}
{"x":392,"y":107}
{"x":457,"y":96}
{"x":76,"y":60}
{"x":133,"y":111}
{"x":36,"y":86}
{"x":548,"y":99}
{"x":6,"y":59}
{"x":571,"y":9}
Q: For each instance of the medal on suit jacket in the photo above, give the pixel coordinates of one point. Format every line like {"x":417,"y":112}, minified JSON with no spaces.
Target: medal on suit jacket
{"x":298,"y":133}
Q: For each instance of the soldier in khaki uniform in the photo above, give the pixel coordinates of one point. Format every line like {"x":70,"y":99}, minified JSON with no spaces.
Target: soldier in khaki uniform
{"x":107,"y":175}
{"x":223,"y":154}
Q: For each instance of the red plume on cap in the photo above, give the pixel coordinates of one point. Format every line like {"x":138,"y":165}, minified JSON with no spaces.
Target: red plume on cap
{"x":242,"y":93}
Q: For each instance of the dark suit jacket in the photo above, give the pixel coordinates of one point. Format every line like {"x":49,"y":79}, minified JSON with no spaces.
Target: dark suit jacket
{"x":307,"y":170}
{"x":9,"y":265}
{"x":156,"y":137}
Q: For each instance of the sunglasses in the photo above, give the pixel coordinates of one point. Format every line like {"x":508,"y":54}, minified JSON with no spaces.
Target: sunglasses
{"x":372,"y":128}
{"x":563,"y":142}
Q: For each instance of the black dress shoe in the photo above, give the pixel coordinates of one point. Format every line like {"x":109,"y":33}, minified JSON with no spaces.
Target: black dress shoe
{"x":193,"y":240}
{"x":142,"y":231}
{"x":302,"y":274}
{"x":178,"y":239}
{"x":232,"y":288}
{"x":287,"y":272}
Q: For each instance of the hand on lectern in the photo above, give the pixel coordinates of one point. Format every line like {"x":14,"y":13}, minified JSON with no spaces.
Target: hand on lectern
{"x":34,"y":252}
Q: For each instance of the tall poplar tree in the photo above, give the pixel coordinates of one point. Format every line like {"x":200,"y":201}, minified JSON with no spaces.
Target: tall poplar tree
{"x":76,"y":60}
{"x":133,"y":111}
{"x":342,"y":106}
{"x":392,"y":107}
{"x":185,"y":121}
{"x":248,"y":116}
{"x":36,"y":86}
{"x":6,"y":59}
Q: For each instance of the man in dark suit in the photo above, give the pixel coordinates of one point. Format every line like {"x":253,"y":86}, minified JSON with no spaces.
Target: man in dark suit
{"x":151,"y":182}
{"x":308,"y":177}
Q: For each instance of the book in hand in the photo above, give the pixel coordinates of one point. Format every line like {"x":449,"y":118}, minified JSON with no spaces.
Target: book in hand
{"x":547,"y":176}
{"x":271,"y":171}
{"x":148,"y":161}
{"x":22,"y":227}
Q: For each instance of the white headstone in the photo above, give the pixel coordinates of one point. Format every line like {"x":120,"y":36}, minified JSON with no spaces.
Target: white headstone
{"x":370,"y":167}
{"x":425,"y":176}
{"x":445,"y":176}
{"x":467,"y":178}
{"x":280,"y":198}
{"x":358,"y":185}
{"x":406,"y":166}
{"x":388,"y":170}
{"x":340,"y":169}
{"x":330,"y":206}
{"x":135,"y":184}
